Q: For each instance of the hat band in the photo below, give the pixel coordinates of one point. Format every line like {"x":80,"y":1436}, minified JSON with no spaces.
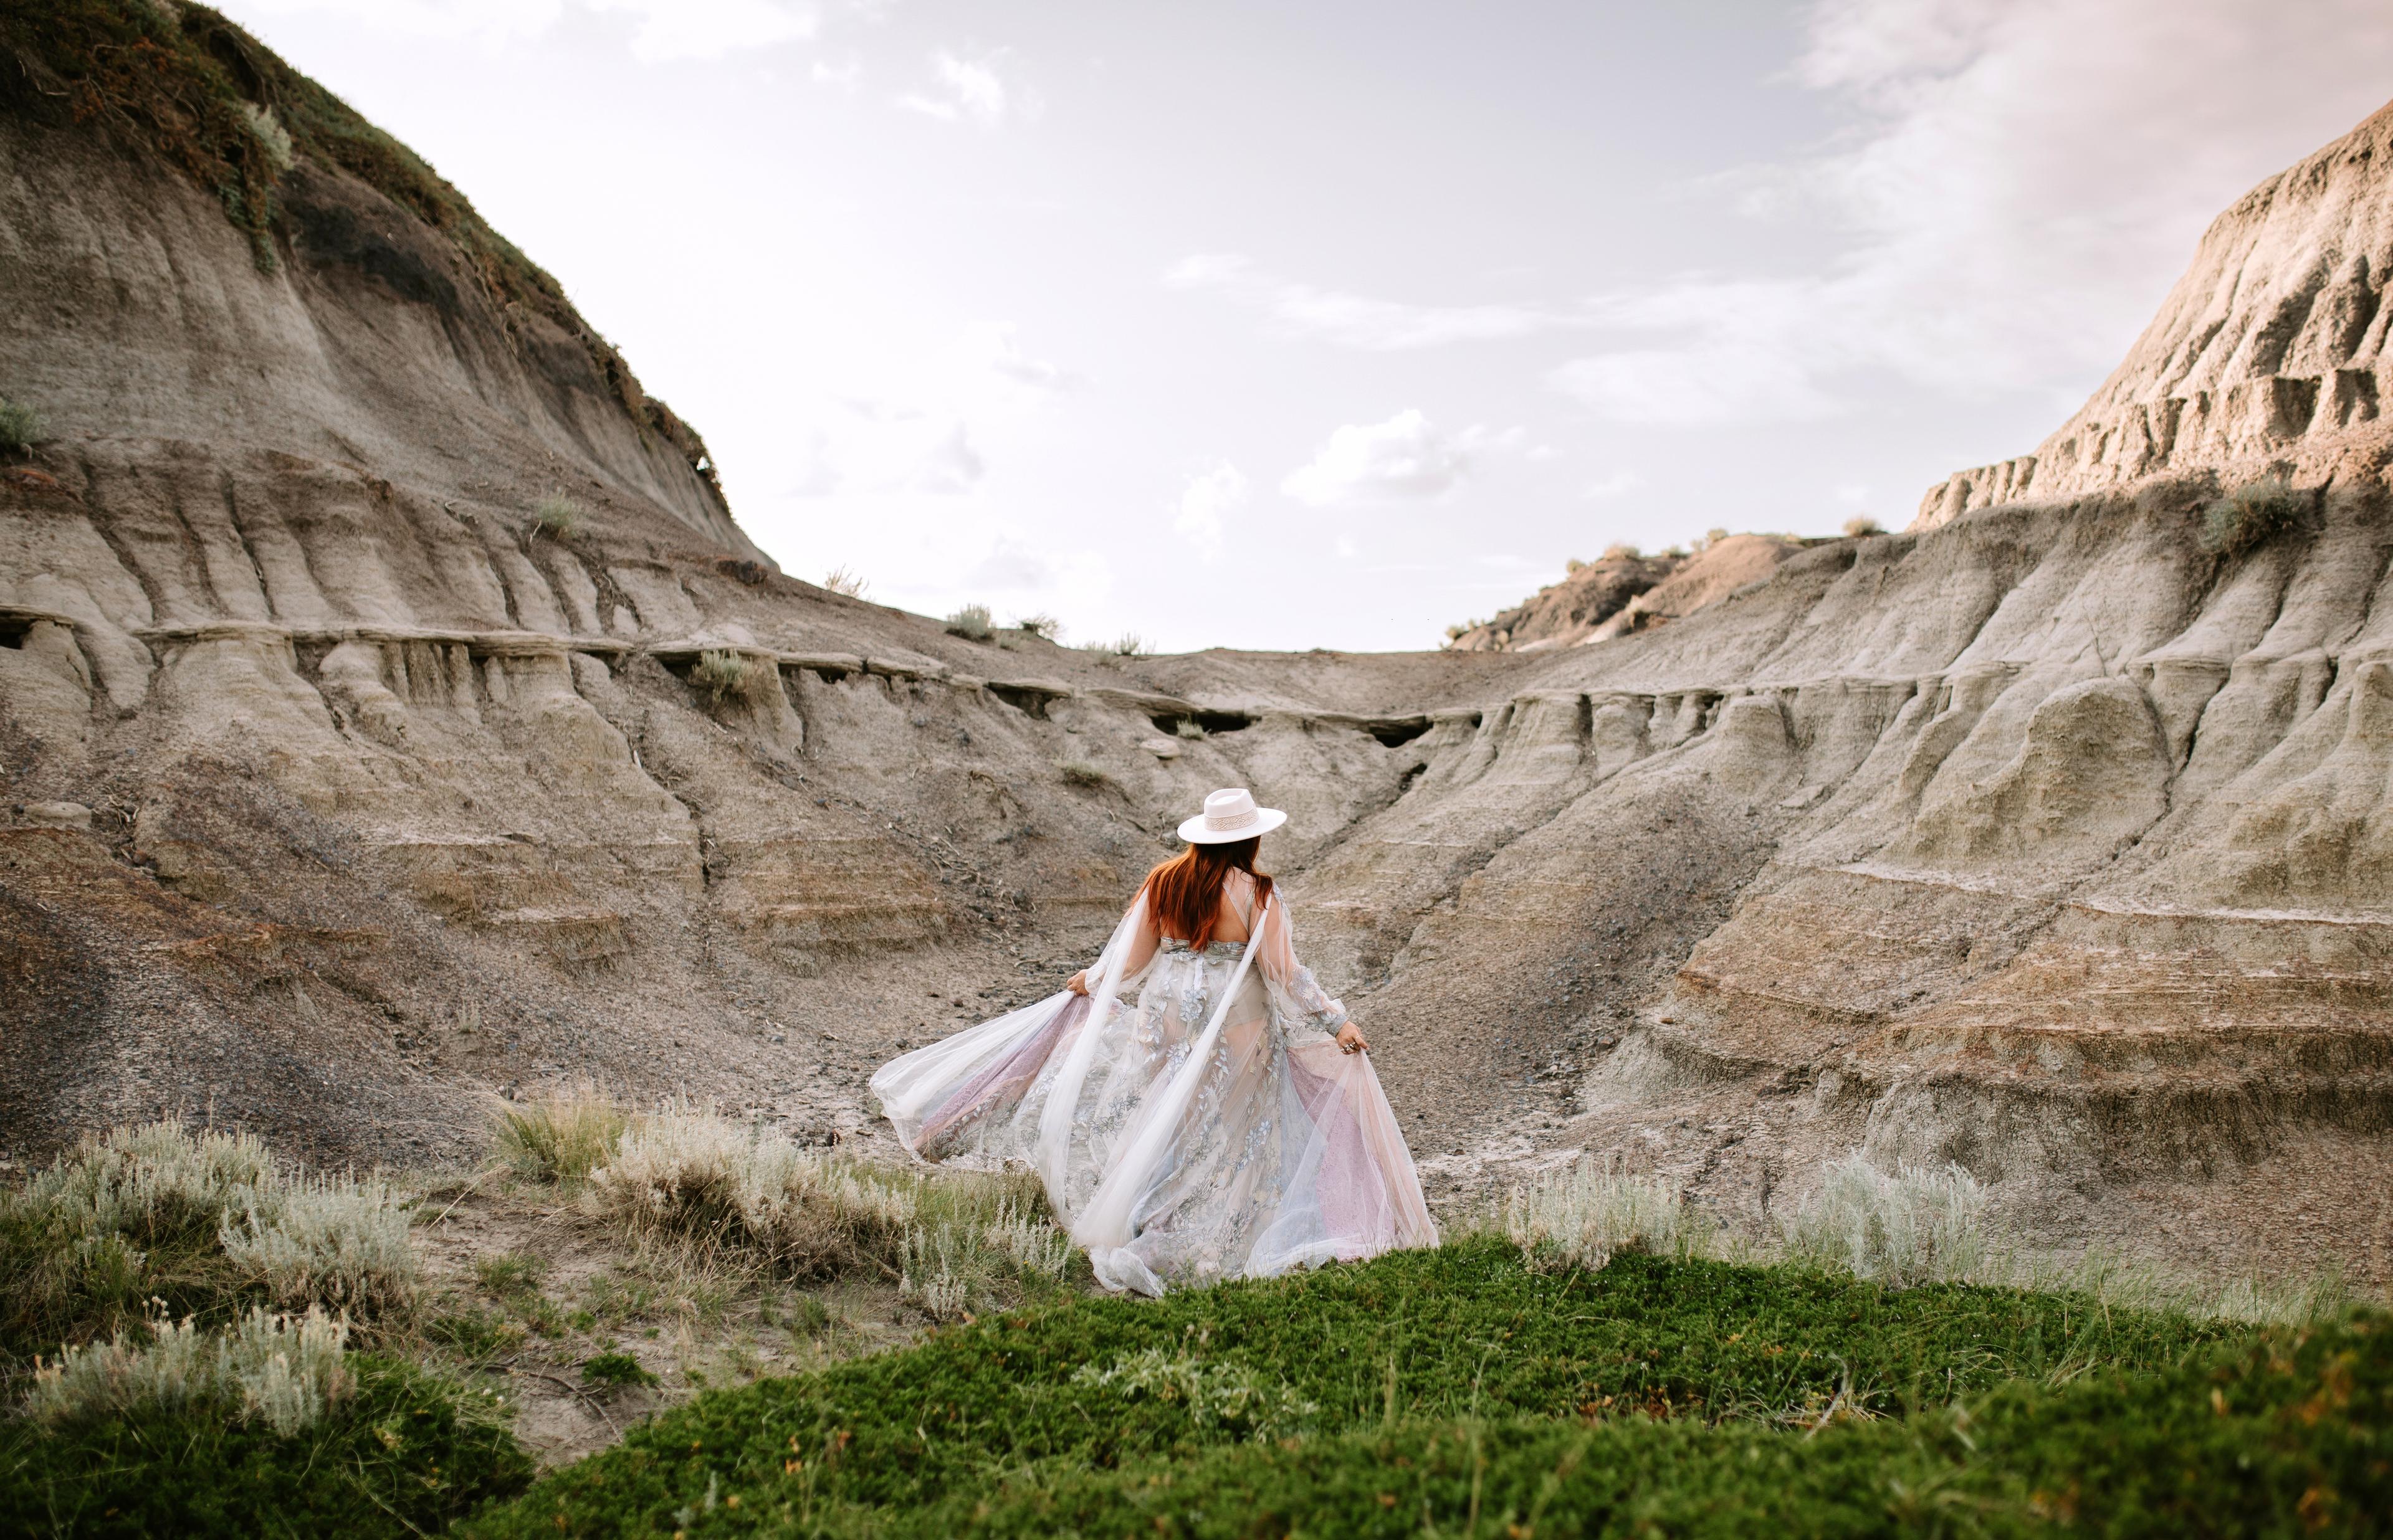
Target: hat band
{"x":1215,"y":821}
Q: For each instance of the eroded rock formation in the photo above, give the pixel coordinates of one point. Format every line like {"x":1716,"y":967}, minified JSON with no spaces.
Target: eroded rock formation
{"x":346,"y":789}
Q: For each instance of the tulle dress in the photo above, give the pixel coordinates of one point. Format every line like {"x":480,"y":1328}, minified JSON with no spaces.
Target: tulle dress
{"x":1193,"y":1120}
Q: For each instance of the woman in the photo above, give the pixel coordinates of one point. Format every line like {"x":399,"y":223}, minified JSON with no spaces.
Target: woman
{"x":1197,"y":1107}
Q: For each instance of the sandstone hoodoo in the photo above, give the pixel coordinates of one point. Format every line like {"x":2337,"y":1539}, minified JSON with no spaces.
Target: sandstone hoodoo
{"x":392,"y":711}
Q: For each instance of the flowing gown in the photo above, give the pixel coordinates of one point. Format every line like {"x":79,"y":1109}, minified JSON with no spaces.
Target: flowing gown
{"x":1193,"y":1120}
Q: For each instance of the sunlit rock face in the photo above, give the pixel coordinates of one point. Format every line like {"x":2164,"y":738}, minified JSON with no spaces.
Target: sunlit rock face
{"x":2268,"y":354}
{"x":345,"y":789}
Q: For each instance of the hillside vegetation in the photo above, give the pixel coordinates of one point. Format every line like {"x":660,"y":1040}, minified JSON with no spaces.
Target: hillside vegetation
{"x":1591,"y":1364}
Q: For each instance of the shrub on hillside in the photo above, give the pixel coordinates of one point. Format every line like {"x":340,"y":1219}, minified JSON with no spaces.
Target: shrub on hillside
{"x":1860,"y":524}
{"x":971,"y":623}
{"x":839,"y":580}
{"x":2283,"y":1435}
{"x":557,"y":516}
{"x":2252,"y":514}
{"x":202,"y":1220}
{"x":336,"y":1240}
{"x":21,"y":428}
{"x":722,"y":677}
{"x":1045,"y":627}
{"x":271,"y":137}
{"x":1081,"y":773}
{"x":285,"y":1372}
{"x":693,"y":1175}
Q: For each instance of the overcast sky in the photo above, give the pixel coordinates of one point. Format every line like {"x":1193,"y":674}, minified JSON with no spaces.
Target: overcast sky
{"x":1294,"y":323}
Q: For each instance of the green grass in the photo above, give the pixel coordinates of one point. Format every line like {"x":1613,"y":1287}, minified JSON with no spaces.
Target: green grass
{"x":1397,"y":1347}
{"x":408,"y":1454}
{"x":619,"y":1371}
{"x":2284,"y":1436}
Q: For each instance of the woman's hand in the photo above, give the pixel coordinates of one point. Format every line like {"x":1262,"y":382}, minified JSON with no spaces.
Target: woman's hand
{"x":1078,"y":983}
{"x":1351,"y":1038}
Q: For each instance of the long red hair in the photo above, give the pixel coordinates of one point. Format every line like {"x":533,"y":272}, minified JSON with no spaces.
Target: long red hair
{"x":1187,"y":890}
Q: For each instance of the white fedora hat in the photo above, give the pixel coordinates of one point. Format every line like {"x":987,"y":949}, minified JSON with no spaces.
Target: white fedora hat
{"x":1230,"y":814}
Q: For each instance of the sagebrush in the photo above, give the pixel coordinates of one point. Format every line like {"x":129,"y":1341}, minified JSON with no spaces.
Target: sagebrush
{"x":2254,"y":513}
{"x":202,"y":1219}
{"x":557,"y":516}
{"x":284,"y":1371}
{"x":972,"y":622}
{"x":21,"y":428}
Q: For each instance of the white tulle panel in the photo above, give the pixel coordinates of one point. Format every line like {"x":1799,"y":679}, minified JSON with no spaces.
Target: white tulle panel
{"x":1193,"y":1121}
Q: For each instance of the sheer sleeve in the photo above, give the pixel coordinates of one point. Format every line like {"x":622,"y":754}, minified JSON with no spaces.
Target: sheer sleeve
{"x":1276,"y":955}
{"x":1143,"y":941}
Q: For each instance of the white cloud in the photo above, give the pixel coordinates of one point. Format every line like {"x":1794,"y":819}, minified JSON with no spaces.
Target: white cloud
{"x":1007,"y":359}
{"x":1405,"y":459}
{"x":2019,"y":171}
{"x":1357,"y":320}
{"x":951,"y":466}
{"x":1023,"y":570}
{"x":971,"y":90}
{"x":845,"y":75}
{"x":1206,"y":505}
{"x":1616,"y":485}
{"x":1013,"y":567}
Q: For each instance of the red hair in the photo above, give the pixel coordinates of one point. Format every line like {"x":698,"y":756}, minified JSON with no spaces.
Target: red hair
{"x":1187,"y":891}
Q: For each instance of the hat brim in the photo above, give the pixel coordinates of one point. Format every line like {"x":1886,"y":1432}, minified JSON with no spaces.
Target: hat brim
{"x":1266,"y":819}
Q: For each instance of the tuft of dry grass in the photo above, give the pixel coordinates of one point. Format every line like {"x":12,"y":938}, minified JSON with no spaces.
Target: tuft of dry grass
{"x":1860,"y":524}
{"x":1586,"y":1211}
{"x":723,"y":676}
{"x":1918,"y":1225}
{"x":953,"y":1242}
{"x":1081,"y":773}
{"x":338,"y":1240}
{"x":840,"y":580}
{"x":560,"y":1138}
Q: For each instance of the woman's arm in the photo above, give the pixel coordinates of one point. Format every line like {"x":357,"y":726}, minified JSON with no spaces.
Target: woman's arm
{"x":1276,"y":951}
{"x":1143,"y":943}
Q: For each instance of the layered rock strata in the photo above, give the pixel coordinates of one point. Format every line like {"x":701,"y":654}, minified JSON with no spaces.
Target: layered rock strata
{"x":347,"y":788}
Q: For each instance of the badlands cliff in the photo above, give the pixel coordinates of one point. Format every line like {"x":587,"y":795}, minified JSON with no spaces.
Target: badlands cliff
{"x":346,"y":788}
